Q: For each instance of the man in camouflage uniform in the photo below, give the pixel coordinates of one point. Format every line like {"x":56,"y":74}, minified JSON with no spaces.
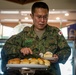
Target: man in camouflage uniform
{"x":39,"y":38}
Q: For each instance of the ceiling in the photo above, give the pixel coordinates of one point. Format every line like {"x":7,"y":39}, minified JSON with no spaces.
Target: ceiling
{"x":22,"y":1}
{"x":57,"y":9}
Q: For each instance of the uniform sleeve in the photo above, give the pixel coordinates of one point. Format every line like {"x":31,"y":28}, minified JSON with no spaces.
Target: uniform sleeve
{"x":10,"y":50}
{"x":63,"y":49}
{"x":12,"y":46}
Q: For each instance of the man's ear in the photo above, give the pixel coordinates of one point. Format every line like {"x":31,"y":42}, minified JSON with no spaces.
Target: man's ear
{"x":31,"y":16}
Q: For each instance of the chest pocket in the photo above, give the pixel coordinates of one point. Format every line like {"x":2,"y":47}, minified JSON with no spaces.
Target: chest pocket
{"x":28,"y":42}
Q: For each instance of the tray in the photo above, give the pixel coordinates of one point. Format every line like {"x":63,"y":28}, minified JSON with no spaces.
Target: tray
{"x":26,"y":66}
{"x":49,"y":58}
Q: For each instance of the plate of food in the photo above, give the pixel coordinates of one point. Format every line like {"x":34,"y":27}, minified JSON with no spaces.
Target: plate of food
{"x":28,"y":63}
{"x":47,"y":55}
{"x":49,"y":58}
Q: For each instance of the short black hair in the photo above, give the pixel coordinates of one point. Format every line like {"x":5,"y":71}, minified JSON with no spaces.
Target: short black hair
{"x":39,"y":5}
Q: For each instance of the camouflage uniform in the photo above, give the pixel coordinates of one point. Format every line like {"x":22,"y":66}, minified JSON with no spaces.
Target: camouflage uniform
{"x":51,"y":40}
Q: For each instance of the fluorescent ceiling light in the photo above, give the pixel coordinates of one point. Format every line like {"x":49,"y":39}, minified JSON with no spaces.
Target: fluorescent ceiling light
{"x":23,"y":20}
{"x":25,"y":12}
{"x":57,"y":20}
{"x":57,"y":12}
{"x":9,"y":20}
{"x":9,"y":12}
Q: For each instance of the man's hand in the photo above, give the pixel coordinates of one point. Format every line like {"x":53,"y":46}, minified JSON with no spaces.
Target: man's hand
{"x":26,"y":51}
{"x":55,"y":59}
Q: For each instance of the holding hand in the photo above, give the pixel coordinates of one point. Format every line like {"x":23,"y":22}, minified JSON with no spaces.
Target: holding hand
{"x":26,"y":51}
{"x":55,"y":59}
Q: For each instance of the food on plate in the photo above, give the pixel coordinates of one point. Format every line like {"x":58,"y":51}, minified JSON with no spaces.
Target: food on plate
{"x":48,"y":54}
{"x":24,"y":61}
{"x":33,"y":61}
{"x":47,"y":63}
{"x":41,"y":54}
{"x":10,"y":61}
{"x":14,"y":61}
{"x":40,"y":61}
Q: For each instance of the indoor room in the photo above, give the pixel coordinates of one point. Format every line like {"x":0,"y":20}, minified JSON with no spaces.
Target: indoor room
{"x":15,"y":16}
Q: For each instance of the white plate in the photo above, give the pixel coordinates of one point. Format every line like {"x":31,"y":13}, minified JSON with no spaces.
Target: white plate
{"x":26,"y":66}
{"x":49,"y":58}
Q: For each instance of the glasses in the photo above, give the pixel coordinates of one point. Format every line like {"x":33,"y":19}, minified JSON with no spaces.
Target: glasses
{"x":40,"y":17}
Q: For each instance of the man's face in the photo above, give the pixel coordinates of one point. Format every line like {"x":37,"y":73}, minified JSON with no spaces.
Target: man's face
{"x":40,"y":18}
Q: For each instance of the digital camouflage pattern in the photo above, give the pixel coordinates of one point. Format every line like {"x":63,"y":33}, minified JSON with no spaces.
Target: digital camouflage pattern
{"x":51,"y":40}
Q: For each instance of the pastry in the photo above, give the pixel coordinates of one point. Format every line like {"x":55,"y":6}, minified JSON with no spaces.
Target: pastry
{"x":40,"y":61}
{"x":48,"y":54}
{"x":14,"y":61}
{"x":33,"y":61}
{"x":24,"y":61}
{"x":47,"y":62}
